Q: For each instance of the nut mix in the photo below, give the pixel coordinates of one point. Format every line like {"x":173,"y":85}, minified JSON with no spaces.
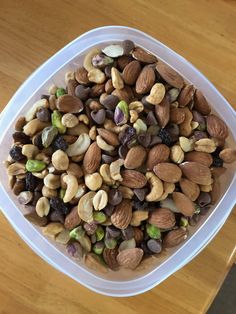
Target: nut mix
{"x":119,"y":164}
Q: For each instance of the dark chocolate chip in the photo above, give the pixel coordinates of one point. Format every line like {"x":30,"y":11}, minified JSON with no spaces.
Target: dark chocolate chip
{"x":114,"y":197}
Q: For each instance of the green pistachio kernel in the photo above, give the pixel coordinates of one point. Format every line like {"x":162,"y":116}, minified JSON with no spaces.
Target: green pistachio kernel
{"x":140,"y":126}
{"x":77,"y":233}
{"x":62,"y":193}
{"x":121,"y":114}
{"x":48,"y":135}
{"x":60,"y":92}
{"x":153,"y":231}
{"x":99,"y":217}
{"x":35,"y":165}
{"x":110,"y":243}
{"x":183,"y":222}
{"x":99,"y":233}
{"x":98,"y":247}
{"x":56,"y":121}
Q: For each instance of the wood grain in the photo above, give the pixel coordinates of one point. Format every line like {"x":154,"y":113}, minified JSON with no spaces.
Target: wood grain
{"x":33,"y":30}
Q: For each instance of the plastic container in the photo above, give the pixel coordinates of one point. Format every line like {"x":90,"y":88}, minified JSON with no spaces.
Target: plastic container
{"x":52,"y":71}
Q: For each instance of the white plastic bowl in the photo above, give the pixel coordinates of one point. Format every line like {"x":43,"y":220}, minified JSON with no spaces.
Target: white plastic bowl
{"x":52,"y":71}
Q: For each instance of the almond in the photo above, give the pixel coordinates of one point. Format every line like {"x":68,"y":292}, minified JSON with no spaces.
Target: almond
{"x":200,"y":157}
{"x":69,"y":103}
{"x":177,"y":115}
{"x":162,"y":218}
{"x":216,"y":127}
{"x":81,"y":76}
{"x":72,"y":219}
{"x":168,"y":172}
{"x":122,"y":61}
{"x":125,"y":94}
{"x":196,"y":172}
{"x":130,"y":258}
{"x":162,"y":112}
{"x":135,"y":157}
{"x":92,"y":158}
{"x":133,"y":179}
{"x":143,"y":56}
{"x":228,"y":155}
{"x":169,"y":75}
{"x":174,"y":237}
{"x":109,"y":256}
{"x":201,"y":104}
{"x":157,"y":153}
{"x":110,"y":137}
{"x":131,"y":72}
{"x":122,"y":214}
{"x":94,"y":262}
{"x":145,"y":80}
{"x":186,"y":95}
{"x":190,"y":189}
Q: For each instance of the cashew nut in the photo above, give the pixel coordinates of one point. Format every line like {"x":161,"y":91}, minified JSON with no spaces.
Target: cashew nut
{"x":69,"y":120}
{"x":85,"y":207}
{"x":72,"y":187}
{"x":60,"y":160}
{"x":168,"y":189}
{"x":79,"y":129}
{"x":103,"y":145}
{"x":93,"y":133}
{"x":41,"y":175}
{"x":34,"y":126}
{"x":137,"y":106}
{"x":106,"y":175}
{"x":93,"y":181}
{"x":156,"y":187}
{"x":115,"y":169}
{"x":52,"y":181}
{"x":83,"y":118}
{"x":49,"y":193}
{"x":30,"y":151}
{"x":80,"y":146}
{"x":88,"y":58}
{"x":30,"y":115}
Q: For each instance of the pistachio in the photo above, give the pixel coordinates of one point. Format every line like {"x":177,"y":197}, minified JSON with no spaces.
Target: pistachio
{"x":116,"y":78}
{"x":48,"y":135}
{"x":99,"y":233}
{"x":176,"y":154}
{"x":121,"y":114}
{"x":186,"y":144}
{"x":35,"y":165}
{"x":113,"y":51}
{"x":153,"y":231}
{"x":140,"y":126}
{"x":80,"y":146}
{"x":99,"y":217}
{"x":57,"y":122}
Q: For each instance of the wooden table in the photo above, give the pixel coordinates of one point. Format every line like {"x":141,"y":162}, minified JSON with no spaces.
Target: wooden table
{"x":30,"y":32}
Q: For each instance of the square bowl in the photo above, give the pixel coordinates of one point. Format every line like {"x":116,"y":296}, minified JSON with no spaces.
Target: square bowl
{"x":120,"y":283}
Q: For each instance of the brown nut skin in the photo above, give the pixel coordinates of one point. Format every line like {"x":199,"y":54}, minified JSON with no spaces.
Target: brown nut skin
{"x":174,"y":238}
{"x":157,"y":153}
{"x":135,"y":157}
{"x":92,"y":158}
{"x":183,"y":203}
{"x":133,"y":179}
{"x":162,"y":218}
{"x":168,"y":172}
{"x":122,"y":214}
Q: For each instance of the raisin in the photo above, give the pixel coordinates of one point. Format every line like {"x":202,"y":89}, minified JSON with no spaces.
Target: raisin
{"x":59,"y":143}
{"x":30,"y":181}
{"x":165,"y":136}
{"x":16,"y":153}
{"x":57,"y":204}
{"x":217,"y":162}
{"x":21,"y":137}
{"x":37,"y":141}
